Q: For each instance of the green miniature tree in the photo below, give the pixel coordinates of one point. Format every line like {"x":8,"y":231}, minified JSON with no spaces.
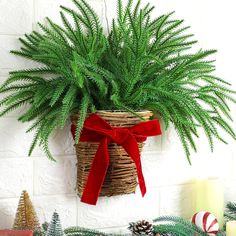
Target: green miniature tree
{"x":55,"y":228}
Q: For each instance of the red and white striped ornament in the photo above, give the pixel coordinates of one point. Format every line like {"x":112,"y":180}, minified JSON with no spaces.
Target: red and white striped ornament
{"x":207,"y":222}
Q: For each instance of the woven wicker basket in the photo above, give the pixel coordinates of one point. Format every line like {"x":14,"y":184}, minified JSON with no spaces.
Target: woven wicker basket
{"x":121,"y":176}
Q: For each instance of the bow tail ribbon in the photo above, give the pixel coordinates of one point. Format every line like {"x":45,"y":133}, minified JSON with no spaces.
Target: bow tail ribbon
{"x":97,"y":174}
{"x":135,"y":156}
{"x":98,"y":130}
{"x":100,"y":165}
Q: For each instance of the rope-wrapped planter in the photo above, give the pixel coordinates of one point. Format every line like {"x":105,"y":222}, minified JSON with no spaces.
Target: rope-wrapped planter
{"x":121,"y":177}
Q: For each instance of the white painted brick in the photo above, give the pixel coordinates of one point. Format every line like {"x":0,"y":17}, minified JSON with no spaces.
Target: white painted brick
{"x":51,"y":9}
{"x":16,"y":113}
{"x":187,"y":13}
{"x":171,"y":141}
{"x":230,"y":190}
{"x":233,"y":166}
{"x":54,"y":177}
{"x":62,"y":142}
{"x":166,"y":168}
{"x":109,"y":13}
{"x":7,"y":212}
{"x":8,"y":60}
{"x":14,"y":142}
{"x":153,"y":144}
{"x":110,"y":7}
{"x":177,"y":200}
{"x":216,"y":164}
{"x":2,"y":79}
{"x":119,"y":210}
{"x":16,"y":16}
{"x":65,"y":205}
{"x":4,"y":73}
{"x":16,"y":175}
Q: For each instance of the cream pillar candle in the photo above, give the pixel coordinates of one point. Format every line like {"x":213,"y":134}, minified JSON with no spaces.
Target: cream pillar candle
{"x":231,"y":228}
{"x":209,"y":196}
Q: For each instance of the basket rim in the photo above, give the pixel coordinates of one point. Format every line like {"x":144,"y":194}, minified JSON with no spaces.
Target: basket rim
{"x":118,"y":112}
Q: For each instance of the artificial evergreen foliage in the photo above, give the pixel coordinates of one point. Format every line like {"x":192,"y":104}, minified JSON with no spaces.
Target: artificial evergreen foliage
{"x":164,"y":226}
{"x":78,"y":231}
{"x":143,"y":63}
{"x":43,"y":230}
{"x":230,"y":212}
{"x":55,"y":228}
{"x":26,"y":218}
{"x":45,"y":226}
{"x":178,"y":226}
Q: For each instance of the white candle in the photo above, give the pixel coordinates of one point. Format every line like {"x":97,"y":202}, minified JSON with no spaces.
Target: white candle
{"x":209,"y":196}
{"x":231,"y":228}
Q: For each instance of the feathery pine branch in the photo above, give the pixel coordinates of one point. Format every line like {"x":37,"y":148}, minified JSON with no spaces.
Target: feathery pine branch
{"x":178,"y":226}
{"x":230,"y":213}
{"x":143,"y":63}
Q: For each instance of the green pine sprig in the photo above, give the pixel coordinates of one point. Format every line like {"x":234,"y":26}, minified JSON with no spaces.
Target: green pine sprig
{"x":230,"y":212}
{"x":143,"y":63}
{"x":55,"y":228}
{"x":177,"y":226}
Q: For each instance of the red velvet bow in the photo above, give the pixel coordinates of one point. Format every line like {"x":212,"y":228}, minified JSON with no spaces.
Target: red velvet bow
{"x":98,"y":130}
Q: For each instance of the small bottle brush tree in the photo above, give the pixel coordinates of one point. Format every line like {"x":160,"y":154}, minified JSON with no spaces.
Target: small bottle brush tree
{"x":26,"y":218}
{"x":143,"y":63}
{"x":55,"y":228}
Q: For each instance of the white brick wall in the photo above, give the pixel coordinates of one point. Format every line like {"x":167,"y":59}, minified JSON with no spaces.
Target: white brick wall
{"x":168,"y":176}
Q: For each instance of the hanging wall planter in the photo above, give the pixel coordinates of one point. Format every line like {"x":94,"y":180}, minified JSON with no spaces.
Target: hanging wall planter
{"x":114,"y":170}
{"x":143,"y":63}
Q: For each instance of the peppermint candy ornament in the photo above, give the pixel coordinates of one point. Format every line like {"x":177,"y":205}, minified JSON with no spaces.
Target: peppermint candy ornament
{"x":207,"y":222}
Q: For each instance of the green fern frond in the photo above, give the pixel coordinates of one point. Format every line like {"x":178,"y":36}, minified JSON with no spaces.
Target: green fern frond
{"x":178,"y":225}
{"x":143,"y":63}
{"x":79,"y":231}
{"x":82,"y":116}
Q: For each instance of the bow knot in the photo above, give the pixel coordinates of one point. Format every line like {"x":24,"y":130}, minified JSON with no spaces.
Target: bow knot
{"x":119,"y":135}
{"x":98,"y":130}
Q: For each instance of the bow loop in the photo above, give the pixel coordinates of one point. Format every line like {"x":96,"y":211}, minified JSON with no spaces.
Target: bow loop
{"x":98,"y":130}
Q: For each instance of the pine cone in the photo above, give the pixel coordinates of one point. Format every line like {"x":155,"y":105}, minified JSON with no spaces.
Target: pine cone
{"x":141,"y":228}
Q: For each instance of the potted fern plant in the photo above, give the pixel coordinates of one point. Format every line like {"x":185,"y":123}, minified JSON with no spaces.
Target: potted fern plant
{"x":143,"y":66}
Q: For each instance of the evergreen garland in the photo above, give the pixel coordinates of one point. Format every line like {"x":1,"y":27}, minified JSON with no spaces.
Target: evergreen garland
{"x":230,"y":213}
{"x":143,"y":63}
{"x":43,"y":230}
{"x":178,"y":226}
{"x":78,"y":231}
{"x":162,"y":226}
